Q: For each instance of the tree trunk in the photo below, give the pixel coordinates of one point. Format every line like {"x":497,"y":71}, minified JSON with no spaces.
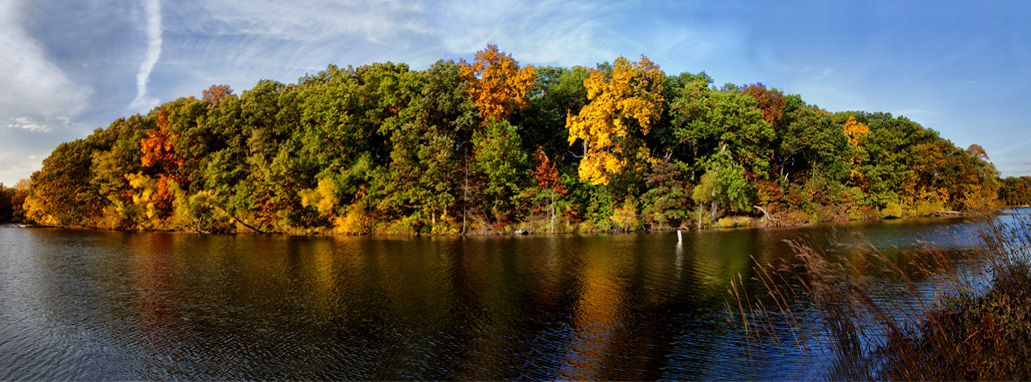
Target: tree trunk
{"x":694,"y":160}
{"x":713,"y":208}
{"x":723,"y":149}
{"x":766,"y":215}
{"x":552,"y":211}
{"x":242,"y":223}
{"x":465,"y":192}
{"x":533,"y":207}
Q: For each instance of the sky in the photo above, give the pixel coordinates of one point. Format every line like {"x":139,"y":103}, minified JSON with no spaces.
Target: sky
{"x":960,"y":68}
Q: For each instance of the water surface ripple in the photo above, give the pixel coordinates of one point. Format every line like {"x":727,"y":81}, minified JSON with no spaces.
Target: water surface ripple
{"x":83,"y":305}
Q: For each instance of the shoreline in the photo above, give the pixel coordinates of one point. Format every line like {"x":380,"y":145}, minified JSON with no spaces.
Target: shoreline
{"x":754,"y":223}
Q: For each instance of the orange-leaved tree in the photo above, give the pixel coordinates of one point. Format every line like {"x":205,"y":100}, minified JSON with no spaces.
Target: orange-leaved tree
{"x":497,"y":84}
{"x":546,"y":173}
{"x":216,"y":93}
{"x":157,"y":148}
{"x":549,"y":184}
{"x":770,"y":102}
{"x":158,"y":151}
{"x":623,"y":100}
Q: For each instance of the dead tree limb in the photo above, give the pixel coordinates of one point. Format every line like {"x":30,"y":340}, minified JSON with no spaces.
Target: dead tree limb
{"x":766,"y":215}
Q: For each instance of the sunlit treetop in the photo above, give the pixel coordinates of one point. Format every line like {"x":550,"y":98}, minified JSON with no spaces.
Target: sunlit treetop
{"x":855,"y":131}
{"x":625,"y":98}
{"x":216,"y":93}
{"x":497,"y":84}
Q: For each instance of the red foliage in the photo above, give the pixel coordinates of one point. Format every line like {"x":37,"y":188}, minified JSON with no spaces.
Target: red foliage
{"x":771,"y":102}
{"x":216,"y":93}
{"x":977,"y":151}
{"x":157,"y":148}
{"x":546,"y":174}
{"x":769,"y":194}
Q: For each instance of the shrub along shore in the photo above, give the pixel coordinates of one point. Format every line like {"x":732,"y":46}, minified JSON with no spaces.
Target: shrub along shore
{"x":492,"y":146}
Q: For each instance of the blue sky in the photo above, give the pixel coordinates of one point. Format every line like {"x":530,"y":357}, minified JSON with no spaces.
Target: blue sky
{"x":960,"y":68}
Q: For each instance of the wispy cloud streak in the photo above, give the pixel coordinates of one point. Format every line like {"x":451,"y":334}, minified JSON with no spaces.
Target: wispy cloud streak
{"x":31,"y":84}
{"x":154,"y":29}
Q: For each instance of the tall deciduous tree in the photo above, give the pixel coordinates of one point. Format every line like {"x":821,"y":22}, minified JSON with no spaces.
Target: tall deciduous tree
{"x":497,"y":84}
{"x":624,"y":100}
{"x":727,"y":120}
{"x":548,"y":183}
{"x":812,"y":144}
{"x":855,"y":130}
{"x":688,"y":102}
{"x":426,"y":155}
{"x":556,"y":92}
{"x":384,"y":147}
{"x":667,"y":199}
{"x":158,"y":148}
{"x":216,"y":93}
{"x":771,"y":102}
{"x":61,"y":191}
{"x":502,"y":165}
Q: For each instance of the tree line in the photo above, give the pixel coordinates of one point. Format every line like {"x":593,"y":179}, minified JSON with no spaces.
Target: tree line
{"x":495,"y":146}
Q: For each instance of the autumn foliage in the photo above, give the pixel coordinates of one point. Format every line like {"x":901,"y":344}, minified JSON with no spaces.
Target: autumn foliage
{"x":157,"y":148}
{"x":770,"y":102}
{"x":855,"y":131}
{"x":546,"y":173}
{"x":492,"y":146}
{"x":216,"y":93}
{"x":497,"y":84}
{"x":624,"y":100}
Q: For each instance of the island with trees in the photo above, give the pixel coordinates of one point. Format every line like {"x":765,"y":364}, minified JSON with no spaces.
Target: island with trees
{"x":490,"y":146}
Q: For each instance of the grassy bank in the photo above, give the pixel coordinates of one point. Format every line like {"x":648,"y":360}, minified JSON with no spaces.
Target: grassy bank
{"x":937,"y":314}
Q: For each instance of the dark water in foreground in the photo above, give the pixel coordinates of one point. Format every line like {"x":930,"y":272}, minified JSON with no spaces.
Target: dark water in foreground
{"x":113,"y":305}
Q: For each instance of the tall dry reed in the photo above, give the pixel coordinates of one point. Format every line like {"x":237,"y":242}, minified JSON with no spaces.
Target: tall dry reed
{"x":852,"y":313}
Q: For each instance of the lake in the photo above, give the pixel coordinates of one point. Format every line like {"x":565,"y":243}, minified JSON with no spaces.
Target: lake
{"x":89,"y":305}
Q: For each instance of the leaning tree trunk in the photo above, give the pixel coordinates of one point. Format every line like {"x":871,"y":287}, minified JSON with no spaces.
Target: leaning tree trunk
{"x":766,"y":215}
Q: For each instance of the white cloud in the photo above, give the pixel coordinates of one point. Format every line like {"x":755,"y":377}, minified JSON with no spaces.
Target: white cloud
{"x":265,"y":37}
{"x":154,"y":32}
{"x":26,"y":141}
{"x":560,"y":32}
{"x":270,"y":32}
{"x":30,"y":84}
{"x":238,"y":42}
{"x":308,"y":21}
{"x":27,"y":123}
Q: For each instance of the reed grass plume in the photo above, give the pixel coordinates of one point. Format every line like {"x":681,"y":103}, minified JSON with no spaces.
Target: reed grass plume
{"x":937,"y":313}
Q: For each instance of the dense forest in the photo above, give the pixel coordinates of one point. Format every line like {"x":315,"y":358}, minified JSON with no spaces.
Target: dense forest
{"x":491,"y":146}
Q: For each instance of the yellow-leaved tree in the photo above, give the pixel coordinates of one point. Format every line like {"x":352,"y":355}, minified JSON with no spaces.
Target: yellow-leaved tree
{"x":622,"y":100}
{"x":855,"y":131}
{"x":497,"y":84}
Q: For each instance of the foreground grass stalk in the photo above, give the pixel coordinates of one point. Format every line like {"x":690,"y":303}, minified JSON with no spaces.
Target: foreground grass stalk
{"x":937,"y":315}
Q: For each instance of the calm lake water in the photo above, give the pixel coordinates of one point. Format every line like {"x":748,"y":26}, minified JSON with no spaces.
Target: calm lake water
{"x":90,"y":305}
